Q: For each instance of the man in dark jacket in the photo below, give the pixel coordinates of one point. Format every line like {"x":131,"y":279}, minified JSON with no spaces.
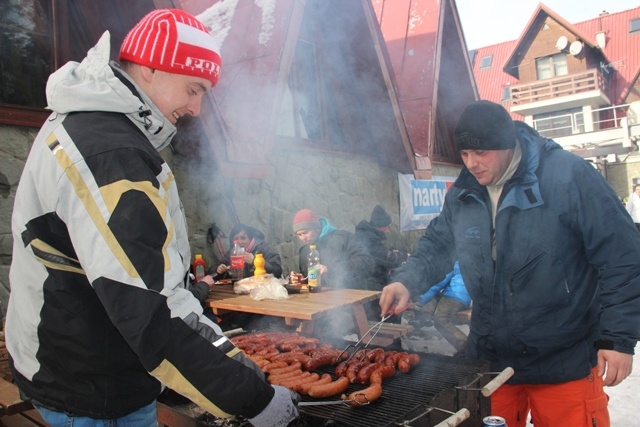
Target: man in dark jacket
{"x":371,"y":235}
{"x":550,"y":258}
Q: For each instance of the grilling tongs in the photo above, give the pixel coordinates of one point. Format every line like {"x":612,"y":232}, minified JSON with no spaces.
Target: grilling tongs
{"x":377,"y":328}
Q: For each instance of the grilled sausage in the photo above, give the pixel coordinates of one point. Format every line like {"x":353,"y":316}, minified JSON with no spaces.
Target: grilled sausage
{"x":341,"y":369}
{"x":365,"y":372}
{"x":325,"y":390}
{"x":379,"y":374}
{"x":319,"y":360}
{"x":353,"y":369}
{"x":274,"y":365}
{"x":364,"y":397}
{"x":296,"y":382}
{"x":304,"y":388}
{"x":276,"y":379}
{"x":287,"y":368}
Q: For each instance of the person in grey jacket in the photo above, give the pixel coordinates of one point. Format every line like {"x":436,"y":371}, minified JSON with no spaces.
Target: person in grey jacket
{"x":100,"y":318}
{"x":550,"y":259}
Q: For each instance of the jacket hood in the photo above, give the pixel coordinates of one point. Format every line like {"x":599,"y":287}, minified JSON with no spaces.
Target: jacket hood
{"x":366,"y":227}
{"x":96,"y":85}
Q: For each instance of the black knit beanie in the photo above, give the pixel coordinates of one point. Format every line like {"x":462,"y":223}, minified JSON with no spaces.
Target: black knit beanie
{"x":485,"y":125}
{"x":379,"y":217}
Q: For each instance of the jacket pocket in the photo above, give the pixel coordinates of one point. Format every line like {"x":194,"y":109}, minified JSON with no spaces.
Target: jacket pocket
{"x":596,"y":412}
{"x":539,"y":284}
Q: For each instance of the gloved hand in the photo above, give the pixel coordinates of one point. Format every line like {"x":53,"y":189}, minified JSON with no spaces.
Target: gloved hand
{"x":282,"y":409}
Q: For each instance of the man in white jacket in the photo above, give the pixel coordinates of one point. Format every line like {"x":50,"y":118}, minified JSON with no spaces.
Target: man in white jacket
{"x":99,"y":317}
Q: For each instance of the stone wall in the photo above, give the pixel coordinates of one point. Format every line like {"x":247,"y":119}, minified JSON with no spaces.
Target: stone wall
{"x":15,"y":143}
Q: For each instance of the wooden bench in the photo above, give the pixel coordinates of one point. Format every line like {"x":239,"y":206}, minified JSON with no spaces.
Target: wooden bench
{"x":389,"y":332}
{"x":14,"y":412}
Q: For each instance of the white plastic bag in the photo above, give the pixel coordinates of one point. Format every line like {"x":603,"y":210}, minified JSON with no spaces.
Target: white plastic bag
{"x":269,"y":289}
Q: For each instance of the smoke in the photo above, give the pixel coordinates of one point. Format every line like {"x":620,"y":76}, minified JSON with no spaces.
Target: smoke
{"x":218,"y":17}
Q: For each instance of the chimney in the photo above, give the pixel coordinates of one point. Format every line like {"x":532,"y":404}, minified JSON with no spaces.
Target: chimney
{"x":601,"y":39}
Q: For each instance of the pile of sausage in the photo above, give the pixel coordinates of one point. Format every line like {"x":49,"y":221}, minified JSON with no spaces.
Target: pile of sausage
{"x":290,"y":360}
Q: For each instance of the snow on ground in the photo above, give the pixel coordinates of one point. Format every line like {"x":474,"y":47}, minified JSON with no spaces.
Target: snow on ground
{"x":624,"y":399}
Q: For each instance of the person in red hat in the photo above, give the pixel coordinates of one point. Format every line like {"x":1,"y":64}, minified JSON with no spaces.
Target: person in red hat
{"x":341,"y":257}
{"x":100,"y":319}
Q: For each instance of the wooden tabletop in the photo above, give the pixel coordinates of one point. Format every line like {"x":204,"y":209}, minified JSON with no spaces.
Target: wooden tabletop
{"x":302,"y":306}
{"x":301,"y":309}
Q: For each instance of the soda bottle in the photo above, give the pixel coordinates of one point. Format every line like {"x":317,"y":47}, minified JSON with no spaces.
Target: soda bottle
{"x":198,"y":267}
{"x":237,"y":262}
{"x":313,"y":269}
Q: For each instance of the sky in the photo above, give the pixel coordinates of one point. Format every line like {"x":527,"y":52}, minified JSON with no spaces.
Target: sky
{"x":487,"y":22}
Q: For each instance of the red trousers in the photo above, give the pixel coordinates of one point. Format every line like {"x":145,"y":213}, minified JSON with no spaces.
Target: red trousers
{"x":580,"y":403}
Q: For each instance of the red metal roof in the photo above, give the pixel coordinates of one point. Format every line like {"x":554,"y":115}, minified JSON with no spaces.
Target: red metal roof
{"x":622,"y":49}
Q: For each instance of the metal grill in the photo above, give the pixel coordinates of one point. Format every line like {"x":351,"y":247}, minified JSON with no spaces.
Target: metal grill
{"x":430,"y":384}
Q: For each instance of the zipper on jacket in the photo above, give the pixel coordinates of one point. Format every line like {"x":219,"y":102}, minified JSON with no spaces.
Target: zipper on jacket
{"x":523,"y":268}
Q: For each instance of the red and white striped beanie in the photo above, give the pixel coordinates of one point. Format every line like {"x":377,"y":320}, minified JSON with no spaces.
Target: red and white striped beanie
{"x":174,"y":41}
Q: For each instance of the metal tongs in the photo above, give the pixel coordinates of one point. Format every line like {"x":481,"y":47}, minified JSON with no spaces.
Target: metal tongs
{"x":357,"y":346}
{"x":347,"y":402}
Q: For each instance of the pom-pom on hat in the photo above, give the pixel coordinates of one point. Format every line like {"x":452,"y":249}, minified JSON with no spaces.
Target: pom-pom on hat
{"x":485,"y":125}
{"x":379,"y":217}
{"x":173,"y":41}
{"x":305,"y":219}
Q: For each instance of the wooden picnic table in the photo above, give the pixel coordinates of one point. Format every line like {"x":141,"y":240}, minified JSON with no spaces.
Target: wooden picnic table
{"x":302,"y":309}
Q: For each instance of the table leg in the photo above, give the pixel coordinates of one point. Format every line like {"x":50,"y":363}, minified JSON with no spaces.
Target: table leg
{"x":302,"y":326}
{"x":360,"y":319}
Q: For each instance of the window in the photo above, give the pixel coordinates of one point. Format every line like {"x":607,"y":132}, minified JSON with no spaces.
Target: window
{"x":552,"y":66}
{"x":559,"y":123}
{"x":634,"y":25}
{"x":26,"y":48}
{"x":506,"y":93}
{"x":485,"y":62}
{"x":300,"y":113}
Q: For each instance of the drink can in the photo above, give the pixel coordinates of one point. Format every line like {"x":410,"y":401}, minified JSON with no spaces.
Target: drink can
{"x":493,"y":421}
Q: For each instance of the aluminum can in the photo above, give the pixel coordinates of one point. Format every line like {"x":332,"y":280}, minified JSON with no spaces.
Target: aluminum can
{"x":493,"y":421}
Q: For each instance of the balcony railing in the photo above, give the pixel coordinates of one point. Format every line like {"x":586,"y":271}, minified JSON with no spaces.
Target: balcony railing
{"x":566,"y":124}
{"x":541,"y":90}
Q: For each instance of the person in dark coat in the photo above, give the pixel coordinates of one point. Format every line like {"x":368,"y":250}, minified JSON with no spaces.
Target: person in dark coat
{"x":253,"y":242}
{"x":550,"y":259}
{"x":342,"y":259}
{"x":371,"y":235}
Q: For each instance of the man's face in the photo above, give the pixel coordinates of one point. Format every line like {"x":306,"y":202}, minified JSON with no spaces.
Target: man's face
{"x":386,"y":229}
{"x":638,"y":190}
{"x":176,"y":94}
{"x":242,"y":238}
{"x":487,"y":166}
{"x":309,"y":235}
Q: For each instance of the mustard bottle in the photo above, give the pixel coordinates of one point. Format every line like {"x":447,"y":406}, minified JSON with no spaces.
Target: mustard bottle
{"x":258,"y":263}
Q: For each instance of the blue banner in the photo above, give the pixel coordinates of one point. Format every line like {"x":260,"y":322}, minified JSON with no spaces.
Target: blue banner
{"x":421,"y":200}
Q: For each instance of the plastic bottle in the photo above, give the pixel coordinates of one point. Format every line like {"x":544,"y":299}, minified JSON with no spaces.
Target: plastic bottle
{"x":198,"y":267}
{"x":313,"y":269}
{"x":258,"y":263}
{"x":237,"y":262}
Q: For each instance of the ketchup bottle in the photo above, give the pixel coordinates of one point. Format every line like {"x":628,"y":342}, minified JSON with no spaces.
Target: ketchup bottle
{"x":198,"y":267}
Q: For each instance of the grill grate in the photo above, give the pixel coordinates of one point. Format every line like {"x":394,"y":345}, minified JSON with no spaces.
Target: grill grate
{"x":402,"y":393}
